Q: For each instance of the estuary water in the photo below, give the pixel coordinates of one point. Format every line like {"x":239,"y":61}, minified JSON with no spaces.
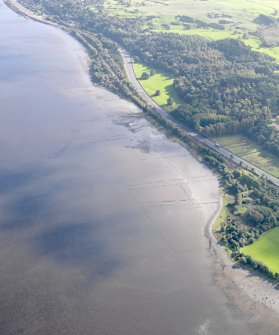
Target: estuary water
{"x":102,"y":218}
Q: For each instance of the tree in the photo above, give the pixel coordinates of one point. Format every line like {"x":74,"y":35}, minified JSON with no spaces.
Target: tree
{"x":255,"y":217}
{"x":261,"y":139}
{"x":157,"y":93}
{"x":144,"y":76}
{"x":170,"y":101}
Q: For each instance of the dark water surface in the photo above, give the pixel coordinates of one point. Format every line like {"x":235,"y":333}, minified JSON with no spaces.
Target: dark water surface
{"x":102,"y":217}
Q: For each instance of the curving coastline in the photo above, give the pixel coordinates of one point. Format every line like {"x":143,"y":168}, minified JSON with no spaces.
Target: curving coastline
{"x":255,"y":287}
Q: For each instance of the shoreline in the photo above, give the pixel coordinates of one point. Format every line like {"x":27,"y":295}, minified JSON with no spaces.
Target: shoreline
{"x":259,"y":289}
{"x":256,"y":287}
{"x":21,"y":10}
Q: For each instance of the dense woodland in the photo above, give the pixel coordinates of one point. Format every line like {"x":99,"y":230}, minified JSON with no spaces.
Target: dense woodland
{"x":226,"y":88}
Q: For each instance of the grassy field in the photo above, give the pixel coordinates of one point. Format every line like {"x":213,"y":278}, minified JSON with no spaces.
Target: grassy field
{"x":238,"y":14}
{"x":158,"y":81}
{"x":265,"y":250}
{"x":246,"y":149}
{"x":242,"y":10}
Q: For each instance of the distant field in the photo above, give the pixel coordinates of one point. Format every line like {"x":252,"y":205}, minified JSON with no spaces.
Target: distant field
{"x":206,"y":33}
{"x":238,"y":14}
{"x":158,"y":81}
{"x":242,"y":10}
{"x":265,"y":250}
{"x":251,"y":152}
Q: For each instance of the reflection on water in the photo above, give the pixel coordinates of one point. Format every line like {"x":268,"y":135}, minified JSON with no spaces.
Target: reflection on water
{"x":102,"y":217}
{"x":79,"y":244}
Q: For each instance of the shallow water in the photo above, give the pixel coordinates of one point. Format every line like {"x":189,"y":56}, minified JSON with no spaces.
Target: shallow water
{"x":102,"y":217}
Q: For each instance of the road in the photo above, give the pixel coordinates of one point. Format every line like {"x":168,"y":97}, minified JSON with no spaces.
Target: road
{"x":128,"y":64}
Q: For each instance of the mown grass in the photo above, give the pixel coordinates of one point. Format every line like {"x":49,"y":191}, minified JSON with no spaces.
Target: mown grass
{"x":265,"y":250}
{"x":251,"y":152}
{"x":158,"y":81}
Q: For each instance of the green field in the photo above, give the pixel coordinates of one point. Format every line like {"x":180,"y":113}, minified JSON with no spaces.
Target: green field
{"x":265,"y":250}
{"x":242,"y":10}
{"x":239,"y":16}
{"x":252,"y":153}
{"x":158,"y":81}
{"x":206,"y":33}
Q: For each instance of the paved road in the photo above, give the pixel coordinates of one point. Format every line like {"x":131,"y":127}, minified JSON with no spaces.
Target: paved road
{"x":222,"y":151}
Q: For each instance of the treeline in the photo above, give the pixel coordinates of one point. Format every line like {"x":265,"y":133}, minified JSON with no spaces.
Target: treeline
{"x":191,"y":23}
